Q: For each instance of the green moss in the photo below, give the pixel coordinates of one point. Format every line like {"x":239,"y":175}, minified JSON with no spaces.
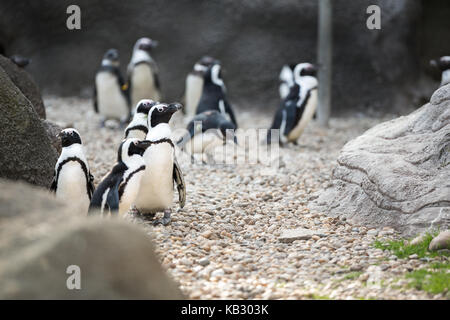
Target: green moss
{"x":433,"y":281}
{"x":352,"y":275}
{"x":402,"y":250}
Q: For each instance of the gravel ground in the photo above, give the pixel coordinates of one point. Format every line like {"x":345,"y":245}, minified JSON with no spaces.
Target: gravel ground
{"x":227,"y":242}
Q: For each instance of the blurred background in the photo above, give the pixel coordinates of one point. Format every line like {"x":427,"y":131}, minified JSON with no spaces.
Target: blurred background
{"x":374,"y":71}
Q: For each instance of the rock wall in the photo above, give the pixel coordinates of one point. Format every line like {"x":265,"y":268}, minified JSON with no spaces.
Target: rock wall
{"x":252,"y":38}
{"x":396,"y":174}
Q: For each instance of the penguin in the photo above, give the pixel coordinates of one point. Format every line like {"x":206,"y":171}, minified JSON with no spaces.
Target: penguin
{"x":286,"y":80}
{"x":143,"y":78}
{"x":138,"y":125}
{"x":443,"y":64}
{"x":20,"y":61}
{"x":72,"y":180}
{"x":213,"y":95}
{"x":111,"y":99}
{"x":298,"y":108}
{"x":117,"y":190}
{"x":162,"y":170}
{"x":194,"y":84}
{"x":207,"y":130}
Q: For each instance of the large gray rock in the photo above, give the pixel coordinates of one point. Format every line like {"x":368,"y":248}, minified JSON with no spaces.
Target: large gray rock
{"x":41,"y":237}
{"x":26,"y":152}
{"x":25,"y":83}
{"x":398,"y":173}
{"x":253,"y":38}
{"x":53,"y":130}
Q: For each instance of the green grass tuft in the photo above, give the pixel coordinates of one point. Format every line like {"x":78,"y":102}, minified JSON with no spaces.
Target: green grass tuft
{"x":402,"y":250}
{"x":352,"y":275}
{"x":431,"y":281}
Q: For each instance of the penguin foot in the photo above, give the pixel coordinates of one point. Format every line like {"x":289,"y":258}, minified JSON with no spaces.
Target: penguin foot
{"x":164,"y":220}
{"x":144,"y":216}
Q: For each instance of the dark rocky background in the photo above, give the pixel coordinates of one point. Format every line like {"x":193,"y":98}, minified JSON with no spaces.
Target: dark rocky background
{"x":383,"y":70}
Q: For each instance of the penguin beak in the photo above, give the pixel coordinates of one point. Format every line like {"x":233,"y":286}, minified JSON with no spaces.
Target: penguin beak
{"x":174,"y":107}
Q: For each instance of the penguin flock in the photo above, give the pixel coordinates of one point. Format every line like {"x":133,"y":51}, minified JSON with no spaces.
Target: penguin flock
{"x":143,"y":179}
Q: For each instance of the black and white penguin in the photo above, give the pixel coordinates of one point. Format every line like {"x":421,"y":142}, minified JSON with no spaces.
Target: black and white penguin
{"x":194,"y":84}
{"x":138,"y":126}
{"x":162,"y":170}
{"x":443,"y":64}
{"x":214,"y":94}
{"x":207,"y":130}
{"x":118,"y":189}
{"x":143,"y":78}
{"x":299,"y":107}
{"x":286,"y":80}
{"x":111,"y":99}
{"x":72,"y":180}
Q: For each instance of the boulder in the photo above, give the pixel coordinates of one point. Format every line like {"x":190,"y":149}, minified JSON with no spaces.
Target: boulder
{"x":441,"y":241}
{"x":40,"y":238}
{"x":396,"y":174}
{"x":25,"y":149}
{"x":25,"y":83}
{"x":53,"y":130}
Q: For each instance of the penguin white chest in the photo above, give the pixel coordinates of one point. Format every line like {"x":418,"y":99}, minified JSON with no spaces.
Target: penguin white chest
{"x":143,"y":84}
{"x":156,"y":187}
{"x":194,"y":88}
{"x":308,"y":113}
{"x":110,"y":100}
{"x":72,"y":186}
{"x":130,"y":192}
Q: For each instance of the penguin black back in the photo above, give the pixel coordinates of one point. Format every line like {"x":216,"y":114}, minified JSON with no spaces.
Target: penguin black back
{"x":213,"y":95}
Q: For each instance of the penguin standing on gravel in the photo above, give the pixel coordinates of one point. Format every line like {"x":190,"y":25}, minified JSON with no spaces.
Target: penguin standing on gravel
{"x":138,"y":127}
{"x":194,"y":84}
{"x":207,"y":130}
{"x":72,"y":180}
{"x":111,"y":99}
{"x":443,"y":64}
{"x":143,"y":78}
{"x":298,"y":108}
{"x":213,"y":95}
{"x":162,"y":170}
{"x":118,"y":189}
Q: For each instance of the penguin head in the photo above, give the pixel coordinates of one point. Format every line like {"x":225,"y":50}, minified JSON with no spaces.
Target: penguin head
{"x":162,"y":113}
{"x":111,"y":57}
{"x":144,"y":106}
{"x":304,"y":69}
{"x":213,"y":75}
{"x":145,"y":44}
{"x":204,"y":63}
{"x":69,"y":137}
{"x":131,"y":149}
{"x":443,"y":63}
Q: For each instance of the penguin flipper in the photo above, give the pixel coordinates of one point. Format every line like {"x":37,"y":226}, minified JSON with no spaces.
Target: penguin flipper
{"x":229,"y":110}
{"x":54,"y":184}
{"x":179,"y":180}
{"x":276,"y":124}
{"x":95,"y":99}
{"x":91,"y":187}
{"x":112,"y":200}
